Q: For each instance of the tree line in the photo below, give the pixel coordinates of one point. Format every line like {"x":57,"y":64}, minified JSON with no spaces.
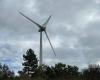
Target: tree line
{"x":60,"y":71}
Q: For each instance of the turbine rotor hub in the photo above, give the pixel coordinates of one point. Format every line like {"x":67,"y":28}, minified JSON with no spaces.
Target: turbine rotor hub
{"x":42,"y":29}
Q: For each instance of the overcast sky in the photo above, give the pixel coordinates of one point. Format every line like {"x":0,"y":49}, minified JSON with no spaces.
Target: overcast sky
{"x":73,"y":29}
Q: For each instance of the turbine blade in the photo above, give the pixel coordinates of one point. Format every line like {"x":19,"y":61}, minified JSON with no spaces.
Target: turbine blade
{"x":30,"y":20}
{"x":50,"y":43}
{"x":45,"y":24}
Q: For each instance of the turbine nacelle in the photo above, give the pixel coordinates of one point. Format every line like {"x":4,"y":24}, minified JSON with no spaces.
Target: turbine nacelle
{"x":42,"y":29}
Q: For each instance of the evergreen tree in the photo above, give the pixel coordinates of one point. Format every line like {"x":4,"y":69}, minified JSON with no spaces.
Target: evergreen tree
{"x":30,"y":63}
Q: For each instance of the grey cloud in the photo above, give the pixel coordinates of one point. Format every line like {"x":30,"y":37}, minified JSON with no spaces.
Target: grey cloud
{"x":80,"y":38}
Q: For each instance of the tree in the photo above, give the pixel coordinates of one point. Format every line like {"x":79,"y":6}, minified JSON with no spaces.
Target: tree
{"x":72,"y":72}
{"x":60,"y":71}
{"x":50,"y":73}
{"x":65,"y":72}
{"x":30,"y":63}
{"x":41,"y":72}
{"x":6,"y":73}
{"x":91,"y":73}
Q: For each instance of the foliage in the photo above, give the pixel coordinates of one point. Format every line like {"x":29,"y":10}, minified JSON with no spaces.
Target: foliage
{"x":30,"y":63}
{"x":6,"y":73}
{"x":92,"y":73}
{"x":60,"y":71}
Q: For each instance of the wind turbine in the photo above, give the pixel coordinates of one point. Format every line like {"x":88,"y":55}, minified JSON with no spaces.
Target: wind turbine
{"x":42,"y":28}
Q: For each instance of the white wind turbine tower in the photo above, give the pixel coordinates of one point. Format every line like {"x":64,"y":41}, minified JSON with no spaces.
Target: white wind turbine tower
{"x":42,"y":28}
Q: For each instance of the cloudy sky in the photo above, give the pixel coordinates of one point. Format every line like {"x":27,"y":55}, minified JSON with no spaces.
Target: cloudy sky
{"x":73,"y":29}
